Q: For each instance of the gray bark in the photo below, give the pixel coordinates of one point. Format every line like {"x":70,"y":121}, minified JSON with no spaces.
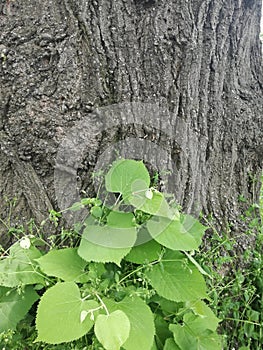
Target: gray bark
{"x":200,"y":60}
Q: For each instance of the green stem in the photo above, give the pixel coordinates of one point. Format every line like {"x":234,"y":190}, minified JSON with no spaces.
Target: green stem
{"x":143,"y":267}
{"x":103,"y":305}
{"x":199,"y":267}
{"x":244,"y":321}
{"x":130,"y":274}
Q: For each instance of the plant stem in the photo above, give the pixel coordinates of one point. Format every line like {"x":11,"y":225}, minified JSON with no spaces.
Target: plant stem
{"x":103,"y":305}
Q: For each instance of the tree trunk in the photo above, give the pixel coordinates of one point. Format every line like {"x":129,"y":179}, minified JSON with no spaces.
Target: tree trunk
{"x":177,"y":83}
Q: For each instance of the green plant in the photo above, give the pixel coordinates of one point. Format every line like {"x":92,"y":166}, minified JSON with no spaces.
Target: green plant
{"x":236,"y":291}
{"x":131,"y":283}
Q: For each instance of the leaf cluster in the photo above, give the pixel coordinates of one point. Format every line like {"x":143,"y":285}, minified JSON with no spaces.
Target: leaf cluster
{"x":131,"y":283}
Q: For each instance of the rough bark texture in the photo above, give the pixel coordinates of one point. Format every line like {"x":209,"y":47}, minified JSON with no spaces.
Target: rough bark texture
{"x":200,"y":60}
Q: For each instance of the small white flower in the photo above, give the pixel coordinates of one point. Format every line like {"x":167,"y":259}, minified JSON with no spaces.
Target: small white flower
{"x":25,"y":243}
{"x":83,"y":316}
{"x":149,"y":194}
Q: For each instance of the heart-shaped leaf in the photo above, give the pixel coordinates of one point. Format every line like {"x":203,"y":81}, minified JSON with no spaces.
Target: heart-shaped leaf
{"x":141,"y":320}
{"x":174,"y":277}
{"x":112,"y":330}
{"x":122,"y":175}
{"x":60,"y":314}
{"x":182,"y":233}
{"x":65,"y":264}
{"x":186,"y":338}
{"x":111,"y":242}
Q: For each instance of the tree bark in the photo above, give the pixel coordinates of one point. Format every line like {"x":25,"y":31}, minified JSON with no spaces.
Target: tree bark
{"x":194,"y":67}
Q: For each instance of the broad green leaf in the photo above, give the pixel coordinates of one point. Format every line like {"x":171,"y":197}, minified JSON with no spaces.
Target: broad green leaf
{"x":60,"y":314}
{"x":106,"y":243}
{"x":97,"y":253}
{"x":175,"y":278}
{"x":65,"y":264}
{"x":112,"y":330}
{"x":122,"y":175}
{"x":111,"y":237}
{"x":156,"y":205}
{"x":144,"y":253}
{"x":186,"y":338}
{"x":206,"y":318}
{"x":141,"y":320}
{"x":20,"y":268}
{"x":120,"y":219}
{"x":184,"y":233}
{"x":14,"y":306}
{"x":170,"y":345}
